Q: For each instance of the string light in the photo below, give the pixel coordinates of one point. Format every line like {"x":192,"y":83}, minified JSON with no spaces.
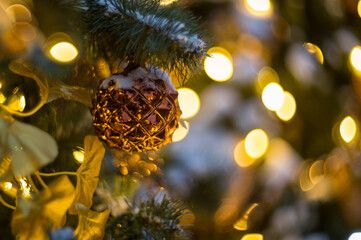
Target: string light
{"x":273,"y":96}
{"x":78,"y":155}
{"x":259,"y":8}
{"x":348,"y":129}
{"x":64,"y":52}
{"x":189,"y":102}
{"x":355,"y":58}
{"x":288,"y":109}
{"x":315,"y":50}
{"x":218,"y":66}
{"x":181,"y":132}
{"x":256,"y":143}
{"x":253,"y":236}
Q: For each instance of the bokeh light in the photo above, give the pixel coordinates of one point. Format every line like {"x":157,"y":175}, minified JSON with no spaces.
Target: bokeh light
{"x":359,"y":8}
{"x":348,"y":129}
{"x":266,"y":76}
{"x":241,"y":157}
{"x":64,"y":52}
{"x":273,"y":96}
{"x":259,"y":8}
{"x":218,"y":66}
{"x":189,"y":102}
{"x":288,"y":109}
{"x":256,"y":143}
{"x":78,"y":155}
{"x":19,"y":13}
{"x":315,"y":50}
{"x":252,"y":236}
{"x":355,"y":236}
{"x":181,"y":132}
{"x":355,"y":58}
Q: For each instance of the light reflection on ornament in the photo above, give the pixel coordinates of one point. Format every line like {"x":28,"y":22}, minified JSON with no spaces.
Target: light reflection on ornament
{"x":315,"y":50}
{"x":355,"y":58}
{"x":189,"y":102}
{"x":181,"y":132}
{"x":288,"y":109}
{"x":25,"y":187}
{"x":348,"y":129}
{"x":22,"y":103}
{"x":218,"y":66}
{"x":2,"y":98}
{"x":8,"y":185}
{"x":273,"y":96}
{"x":252,"y":236}
{"x":64,"y":52}
{"x":78,"y":155}
{"x":166,"y":2}
{"x":256,"y":143}
{"x":259,"y":8}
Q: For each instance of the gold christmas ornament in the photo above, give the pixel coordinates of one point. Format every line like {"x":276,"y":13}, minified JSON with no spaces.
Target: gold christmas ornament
{"x":137,"y":110}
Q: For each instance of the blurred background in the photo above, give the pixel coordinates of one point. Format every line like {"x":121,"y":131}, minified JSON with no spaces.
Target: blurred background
{"x":270,"y":144}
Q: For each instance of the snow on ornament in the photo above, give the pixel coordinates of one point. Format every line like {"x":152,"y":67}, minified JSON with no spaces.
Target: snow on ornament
{"x":136,"y":111}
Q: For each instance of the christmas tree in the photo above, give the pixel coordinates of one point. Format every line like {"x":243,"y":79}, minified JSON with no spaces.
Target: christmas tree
{"x":163,"y":119}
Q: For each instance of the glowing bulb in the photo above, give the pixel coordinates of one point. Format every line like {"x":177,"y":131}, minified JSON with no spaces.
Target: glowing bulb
{"x":253,"y":236}
{"x":256,"y":143}
{"x":167,"y":2}
{"x":359,"y":8}
{"x":241,"y":157}
{"x":288,"y":109}
{"x":218,"y":66}
{"x":355,"y":58}
{"x":181,"y":132}
{"x":8,"y":185}
{"x":189,"y":102}
{"x":78,"y":155}
{"x":273,"y":96}
{"x":355,"y":236}
{"x":348,"y":129}
{"x":259,"y":7}
{"x":64,"y":52}
{"x":315,"y":50}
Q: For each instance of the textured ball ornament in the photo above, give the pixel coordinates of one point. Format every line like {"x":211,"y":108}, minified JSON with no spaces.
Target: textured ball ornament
{"x":136,"y":112}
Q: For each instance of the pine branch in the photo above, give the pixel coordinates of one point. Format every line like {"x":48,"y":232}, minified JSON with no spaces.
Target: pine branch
{"x":146,"y":33}
{"x":151,"y":220}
